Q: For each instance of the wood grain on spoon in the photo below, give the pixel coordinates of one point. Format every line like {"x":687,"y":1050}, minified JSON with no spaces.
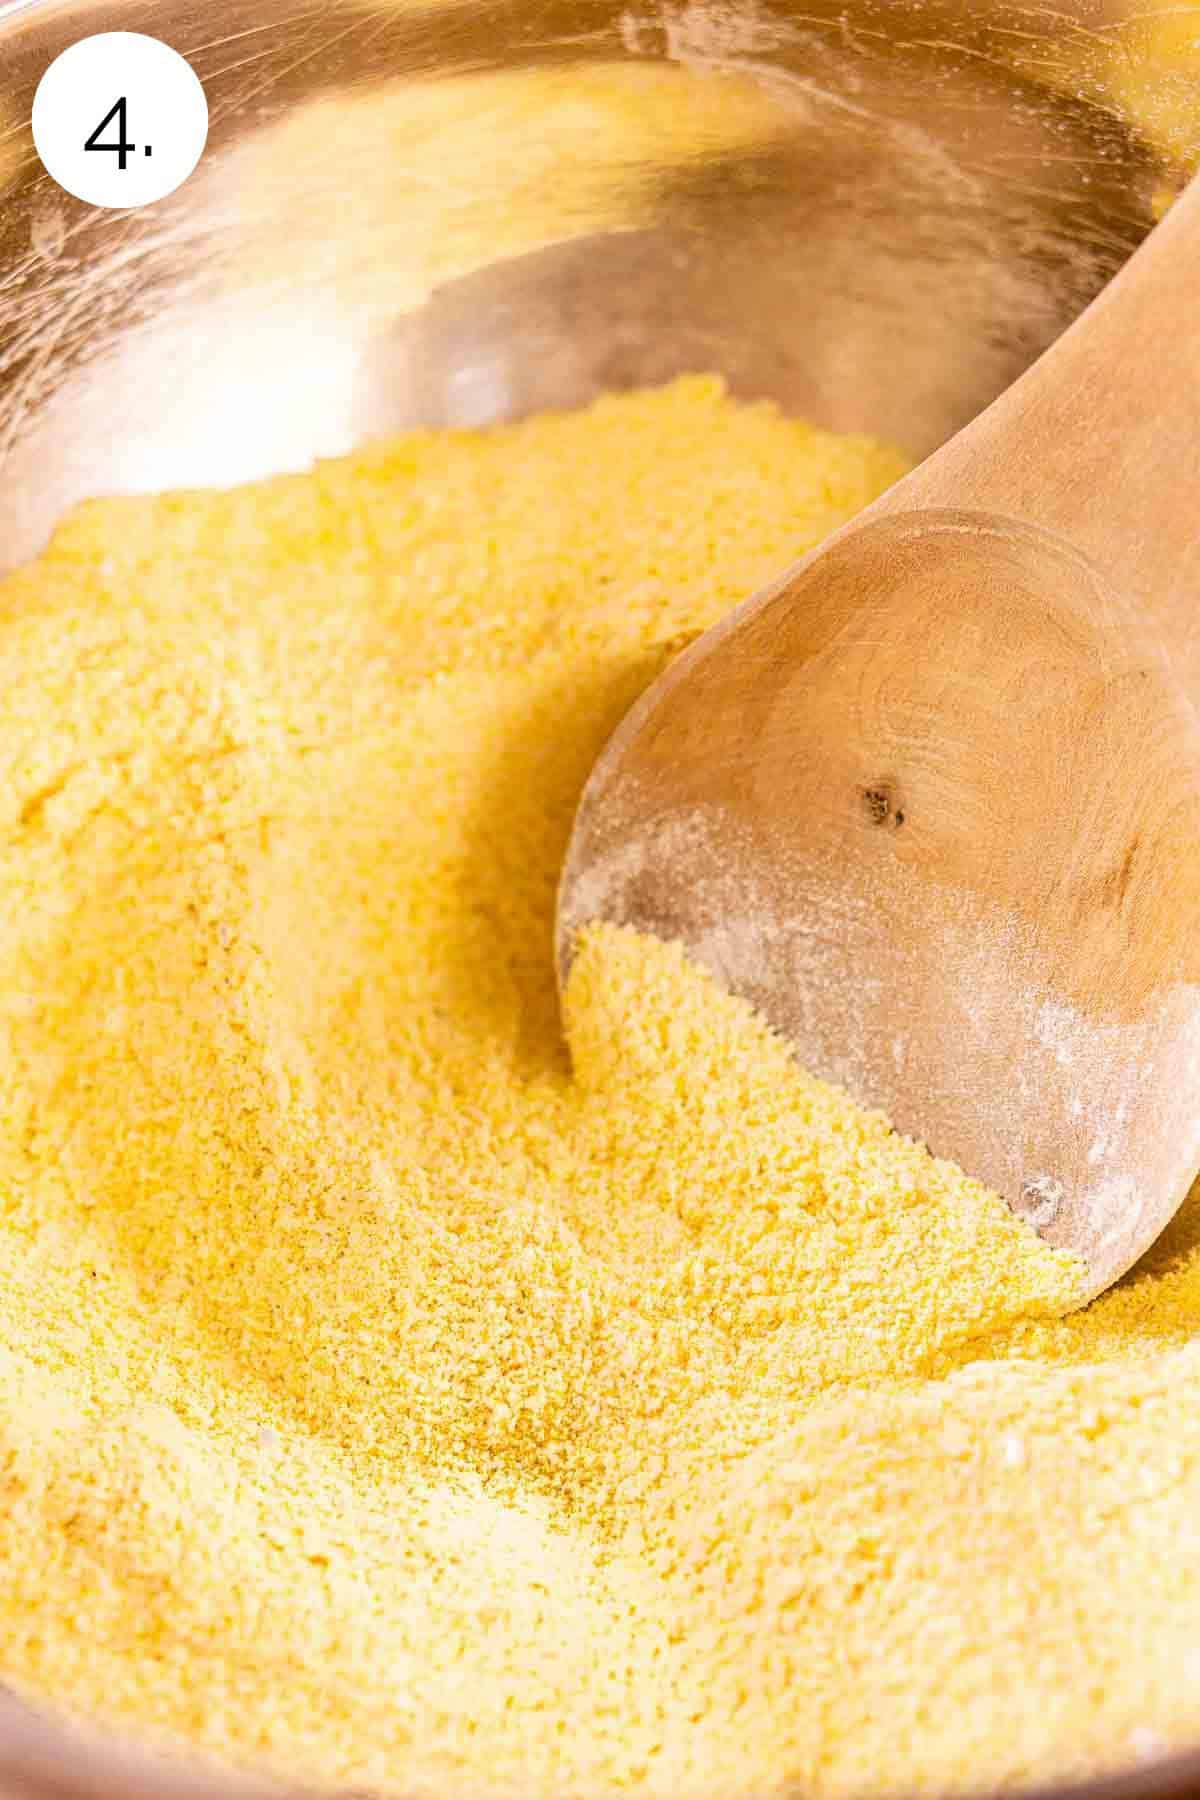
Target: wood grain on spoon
{"x":932,"y":801}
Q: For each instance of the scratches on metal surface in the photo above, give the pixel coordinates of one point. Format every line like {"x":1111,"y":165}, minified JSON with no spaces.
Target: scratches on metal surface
{"x":57,"y":308}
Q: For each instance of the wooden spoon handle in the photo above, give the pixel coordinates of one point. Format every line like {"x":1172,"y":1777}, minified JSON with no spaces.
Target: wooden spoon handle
{"x":1100,"y":439}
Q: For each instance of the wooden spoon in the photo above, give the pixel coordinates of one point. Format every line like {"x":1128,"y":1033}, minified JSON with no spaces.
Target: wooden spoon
{"x":932,"y":801}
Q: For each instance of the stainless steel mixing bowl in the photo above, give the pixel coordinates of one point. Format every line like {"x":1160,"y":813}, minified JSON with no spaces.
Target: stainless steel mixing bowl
{"x":875,"y":212}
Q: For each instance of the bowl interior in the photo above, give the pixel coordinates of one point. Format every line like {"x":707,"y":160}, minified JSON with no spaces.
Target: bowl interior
{"x":874,"y":214}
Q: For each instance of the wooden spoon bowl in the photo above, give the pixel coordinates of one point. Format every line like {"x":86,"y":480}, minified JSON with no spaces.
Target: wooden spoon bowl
{"x":932,"y":802}
{"x":953,"y":855}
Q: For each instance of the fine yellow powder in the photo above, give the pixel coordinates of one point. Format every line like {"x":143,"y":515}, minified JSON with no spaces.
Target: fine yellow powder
{"x":393,"y":1397}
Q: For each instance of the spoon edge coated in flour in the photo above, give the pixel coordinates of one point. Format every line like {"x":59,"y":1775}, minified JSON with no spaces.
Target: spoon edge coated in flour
{"x":931,"y":801}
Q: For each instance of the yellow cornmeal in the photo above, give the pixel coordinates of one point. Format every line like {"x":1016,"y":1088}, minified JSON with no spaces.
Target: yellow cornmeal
{"x":388,"y":1396}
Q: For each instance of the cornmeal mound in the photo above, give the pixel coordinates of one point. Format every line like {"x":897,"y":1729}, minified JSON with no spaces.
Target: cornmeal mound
{"x":396,"y":1393}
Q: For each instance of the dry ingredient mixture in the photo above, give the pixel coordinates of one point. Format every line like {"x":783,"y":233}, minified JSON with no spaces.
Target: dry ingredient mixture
{"x":388,"y":1395}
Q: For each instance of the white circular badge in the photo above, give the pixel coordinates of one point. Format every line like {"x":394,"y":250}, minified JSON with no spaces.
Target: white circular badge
{"x":120,"y":119}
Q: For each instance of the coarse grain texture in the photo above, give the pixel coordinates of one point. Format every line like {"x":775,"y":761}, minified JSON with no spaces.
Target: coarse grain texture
{"x":393,"y":1397}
